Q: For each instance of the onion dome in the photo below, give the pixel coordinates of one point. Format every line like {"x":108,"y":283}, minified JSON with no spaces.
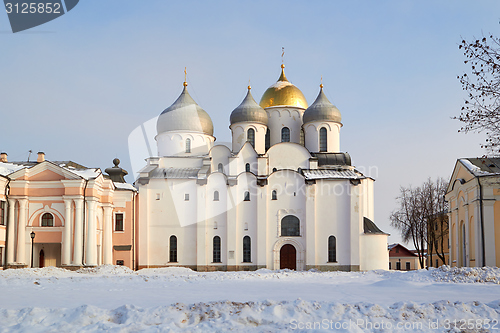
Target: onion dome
{"x":322,"y":110}
{"x":283,"y":93}
{"x":185,"y":115}
{"x":249,"y":111}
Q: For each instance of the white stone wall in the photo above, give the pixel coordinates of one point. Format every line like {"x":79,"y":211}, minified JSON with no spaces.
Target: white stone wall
{"x":284,"y":116}
{"x":239,"y":133}
{"x":312,"y":129}
{"x":174,"y":143}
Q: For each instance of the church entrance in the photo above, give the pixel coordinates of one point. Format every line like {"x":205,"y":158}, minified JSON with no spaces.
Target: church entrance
{"x":288,"y":257}
{"x":41,"y":260}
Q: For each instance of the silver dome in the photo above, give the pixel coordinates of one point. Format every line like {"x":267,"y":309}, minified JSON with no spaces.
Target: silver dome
{"x":249,"y":111}
{"x":185,"y":115}
{"x":322,"y":110}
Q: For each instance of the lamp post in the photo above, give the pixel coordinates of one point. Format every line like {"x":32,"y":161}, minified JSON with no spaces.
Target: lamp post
{"x":32,"y":243}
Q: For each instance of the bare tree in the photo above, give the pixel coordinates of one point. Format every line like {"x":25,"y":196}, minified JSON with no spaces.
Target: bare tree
{"x":481,"y":112}
{"x":419,"y":210}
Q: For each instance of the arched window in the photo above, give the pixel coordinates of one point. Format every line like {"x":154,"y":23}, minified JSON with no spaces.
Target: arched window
{"x":220,"y":168}
{"x":247,"y":167}
{"x":173,"y":248}
{"x":216,"y":249}
{"x":290,"y":226}
{"x":216,"y":195}
{"x":188,"y":145}
{"x":302,"y":137}
{"x":247,"y":252}
{"x":332,"y":249}
{"x":251,"y":136}
{"x":274,"y":195}
{"x":322,"y":139}
{"x":247,"y":196}
{"x":268,"y":139}
{"x":274,"y":169}
{"x":47,"y":220}
{"x":285,"y":134}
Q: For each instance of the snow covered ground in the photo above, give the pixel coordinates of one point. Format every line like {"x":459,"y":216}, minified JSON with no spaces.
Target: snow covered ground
{"x":116,"y":299}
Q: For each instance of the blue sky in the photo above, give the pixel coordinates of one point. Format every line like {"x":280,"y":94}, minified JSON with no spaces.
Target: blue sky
{"x":76,"y":87}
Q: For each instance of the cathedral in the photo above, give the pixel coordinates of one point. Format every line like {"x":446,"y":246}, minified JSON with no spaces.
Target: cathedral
{"x":282,"y":196}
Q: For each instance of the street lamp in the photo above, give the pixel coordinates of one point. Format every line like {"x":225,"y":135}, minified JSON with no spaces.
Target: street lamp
{"x":32,"y":241}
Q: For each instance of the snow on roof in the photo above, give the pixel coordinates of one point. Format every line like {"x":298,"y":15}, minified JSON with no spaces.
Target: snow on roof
{"x":331,"y":174}
{"x":482,"y":166}
{"x":8,"y":168}
{"x":281,"y":84}
{"x":124,"y":186}
{"x":179,"y":173}
{"x":85,"y":173}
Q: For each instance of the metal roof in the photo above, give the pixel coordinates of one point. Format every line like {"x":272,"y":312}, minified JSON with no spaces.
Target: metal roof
{"x":482,"y":166}
{"x":331,"y":174}
{"x":322,"y":110}
{"x":332,"y":158}
{"x":371,"y":228}
{"x":249,"y":111}
{"x":176,"y":173}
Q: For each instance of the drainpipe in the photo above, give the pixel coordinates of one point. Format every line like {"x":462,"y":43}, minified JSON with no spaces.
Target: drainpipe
{"x":133,"y":230}
{"x":481,"y":212}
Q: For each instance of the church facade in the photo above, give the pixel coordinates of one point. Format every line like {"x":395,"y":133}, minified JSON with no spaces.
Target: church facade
{"x":282,"y":196}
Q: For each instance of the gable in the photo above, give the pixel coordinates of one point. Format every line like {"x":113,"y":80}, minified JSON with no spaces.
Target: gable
{"x":401,"y":251}
{"x":46,"y":175}
{"x":460,"y":174}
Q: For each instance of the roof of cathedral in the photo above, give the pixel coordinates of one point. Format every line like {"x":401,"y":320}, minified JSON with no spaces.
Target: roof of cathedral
{"x":249,"y":111}
{"x":185,"y":115}
{"x":371,"y":228}
{"x":332,"y":174}
{"x":325,"y":159}
{"x":283,"y":93}
{"x":322,"y":110}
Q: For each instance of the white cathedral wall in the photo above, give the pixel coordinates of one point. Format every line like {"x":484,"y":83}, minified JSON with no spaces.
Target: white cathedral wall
{"x":216,"y":218}
{"x":291,"y":200}
{"x":312,"y":129}
{"x":239,"y":133}
{"x":284,"y":116}
{"x":374,"y":252}
{"x":174,"y":143}
{"x":333,"y":217}
{"x":237,"y":164}
{"x":220,"y":154}
{"x":246,"y":218}
{"x":288,"y":156}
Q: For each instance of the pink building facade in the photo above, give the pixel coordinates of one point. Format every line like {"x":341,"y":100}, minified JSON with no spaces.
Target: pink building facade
{"x":59,"y":213}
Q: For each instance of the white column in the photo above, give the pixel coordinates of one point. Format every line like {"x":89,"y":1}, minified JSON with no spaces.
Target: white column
{"x":21,"y":232}
{"x":108,"y":236}
{"x":467,"y":236}
{"x":78,"y":246}
{"x":91,"y":247}
{"x":67,"y":244}
{"x":11,"y":232}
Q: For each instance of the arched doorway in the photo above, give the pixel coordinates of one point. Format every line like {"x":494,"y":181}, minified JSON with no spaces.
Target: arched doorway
{"x":288,"y":257}
{"x":41,"y":260}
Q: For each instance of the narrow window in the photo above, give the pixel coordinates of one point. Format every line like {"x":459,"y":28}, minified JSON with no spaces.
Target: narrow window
{"x":398,"y":265}
{"x":186,"y":197}
{"x":408,"y":266}
{"x":216,"y":195}
{"x":390,"y":265}
{"x":247,"y":167}
{"x":302,"y":137}
{"x":245,"y":227}
{"x":251,"y":136}
{"x":215,"y":225}
{"x":290,"y":226}
{"x":47,"y":220}
{"x":268,"y":139}
{"x":173,"y":249}
{"x":247,"y":249}
{"x":322,"y":139}
{"x":332,"y":249}
{"x":119,"y":222}
{"x":1,"y":256}
{"x":285,"y":134}
{"x":247,"y":196}
{"x":437,"y":263}
{"x":2,"y":212}
{"x":216,"y":249}
{"x":188,"y":145}
{"x":274,"y":195}
{"x":220,"y":168}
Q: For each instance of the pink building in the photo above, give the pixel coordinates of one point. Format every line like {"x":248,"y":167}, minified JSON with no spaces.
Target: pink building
{"x":77,"y":215}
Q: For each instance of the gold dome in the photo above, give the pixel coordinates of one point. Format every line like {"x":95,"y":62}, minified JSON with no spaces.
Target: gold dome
{"x":283,"y":93}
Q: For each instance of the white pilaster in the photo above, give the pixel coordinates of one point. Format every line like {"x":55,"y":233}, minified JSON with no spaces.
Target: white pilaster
{"x":67,"y":243}
{"x":78,"y":246}
{"x":11,"y":232}
{"x":108,"y":236}
{"x":91,"y":246}
{"x":21,"y":232}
